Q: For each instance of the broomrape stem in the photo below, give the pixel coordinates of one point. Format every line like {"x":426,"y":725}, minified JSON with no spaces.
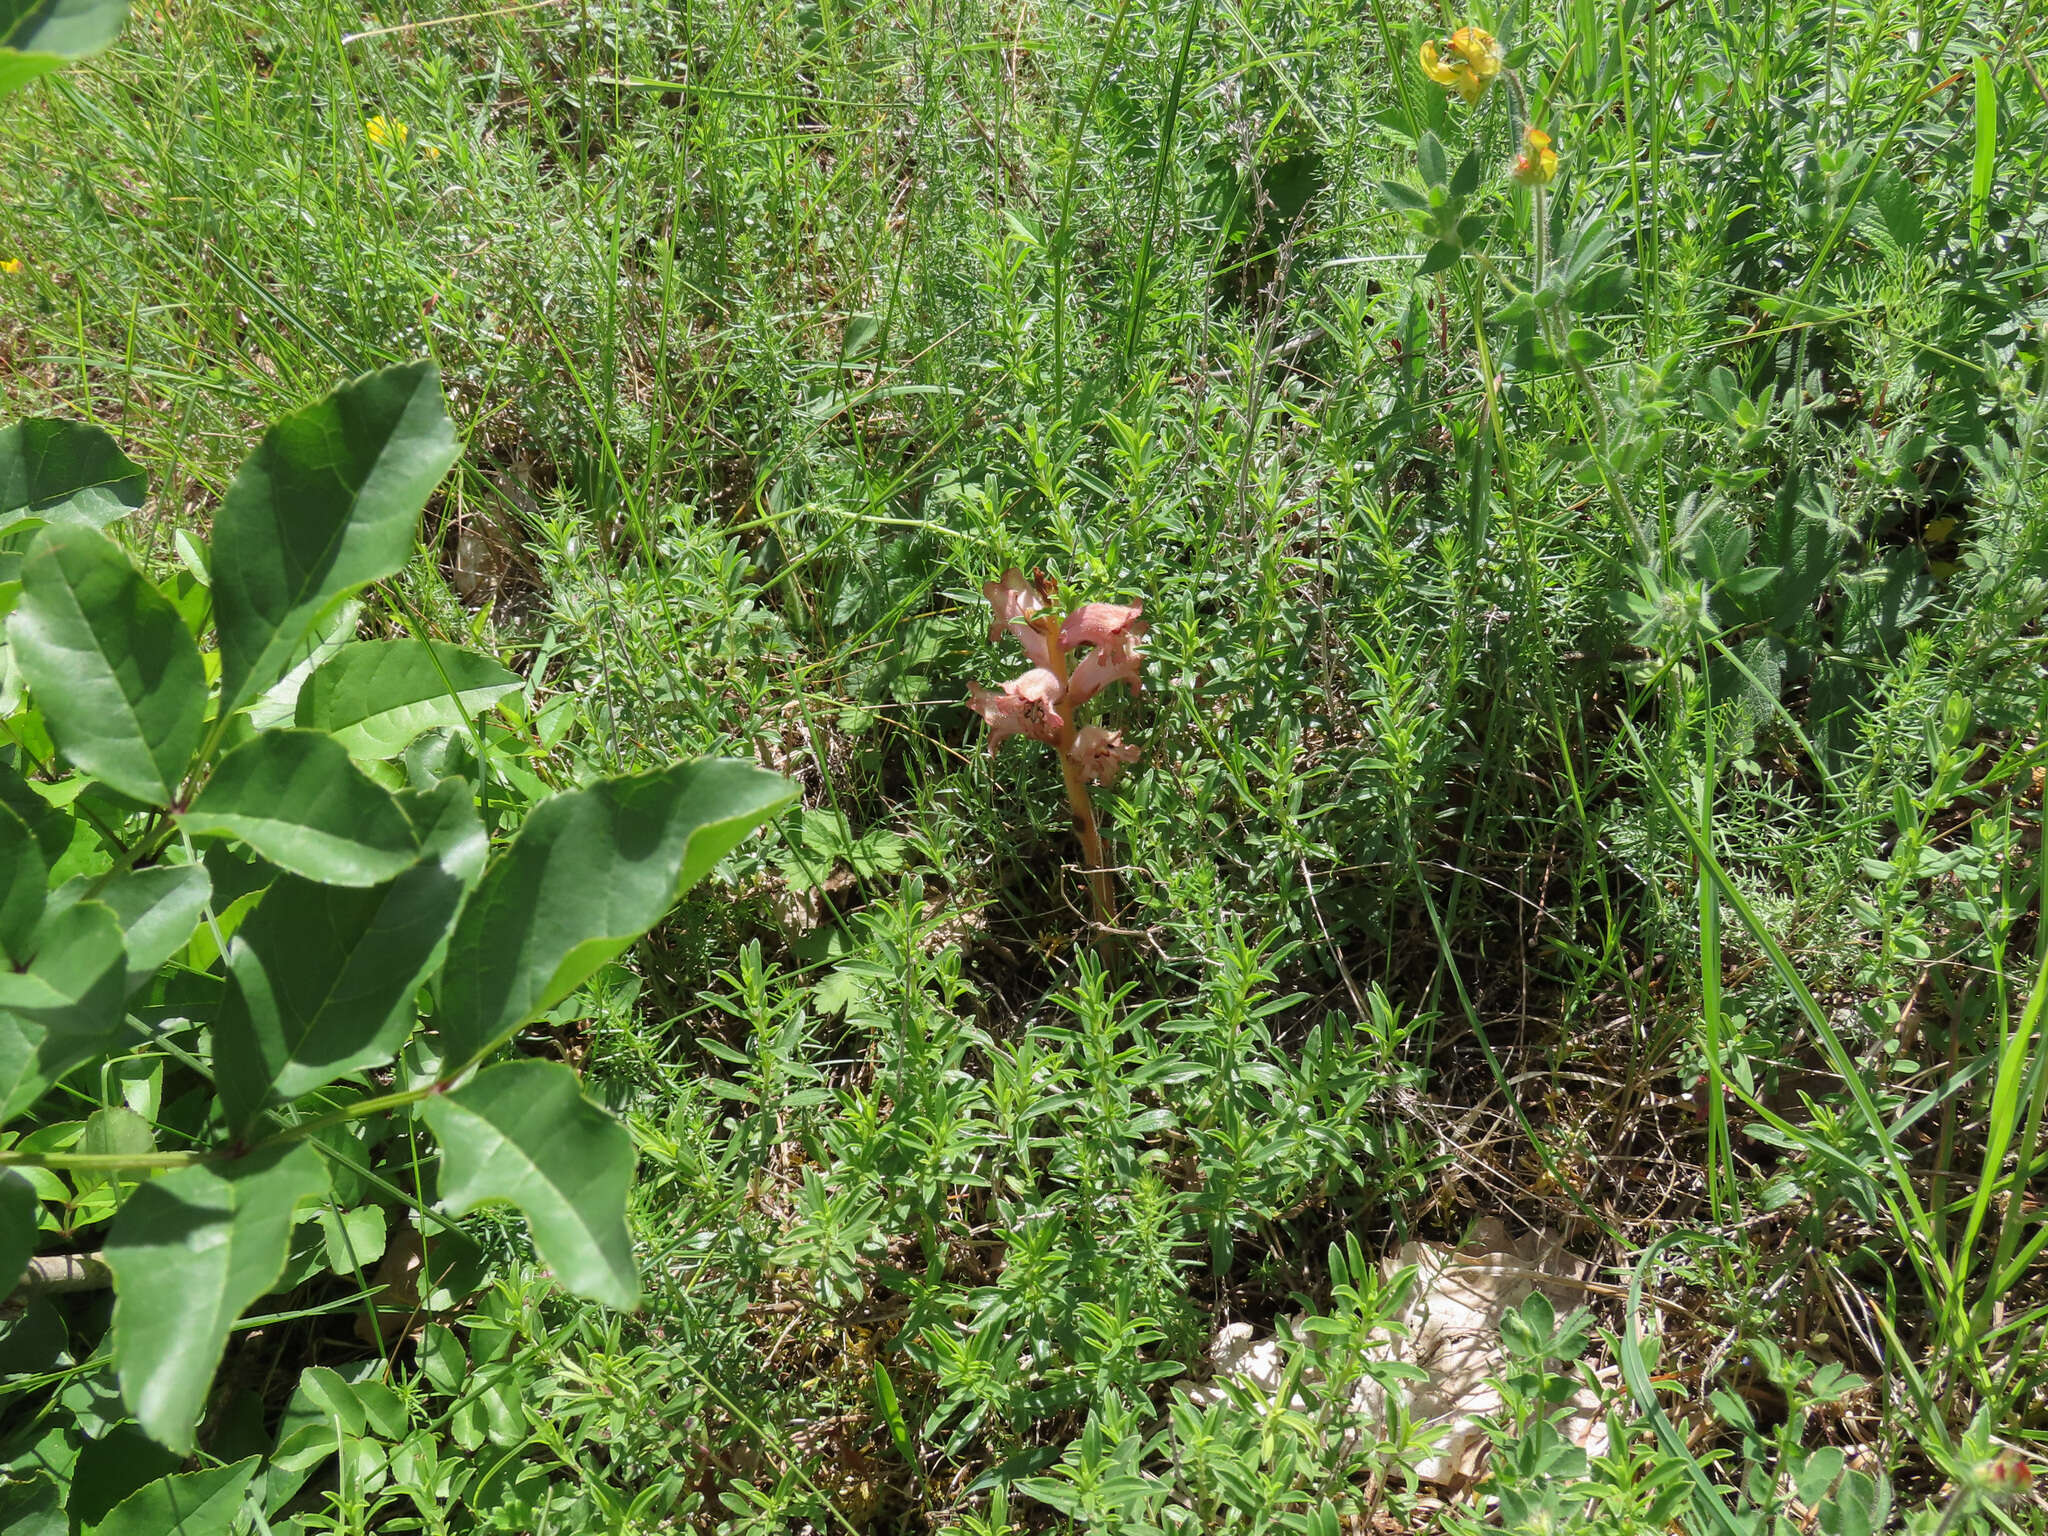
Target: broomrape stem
{"x":1101,"y":898}
{"x":1083,"y":808}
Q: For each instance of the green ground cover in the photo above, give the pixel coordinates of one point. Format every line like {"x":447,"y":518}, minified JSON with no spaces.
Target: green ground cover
{"x":1591,"y":729}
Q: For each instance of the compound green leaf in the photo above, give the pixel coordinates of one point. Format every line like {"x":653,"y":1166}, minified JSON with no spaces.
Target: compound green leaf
{"x":66,"y":1008}
{"x":587,"y":874}
{"x":63,"y":471}
{"x":113,"y":667}
{"x":329,"y":501}
{"x":183,"y":1504}
{"x":190,"y":1250}
{"x":376,"y":696}
{"x":18,"y":1208}
{"x":523,"y":1132}
{"x":298,"y":799}
{"x":324,"y":976}
{"x":24,"y":886}
{"x":323,"y":1405}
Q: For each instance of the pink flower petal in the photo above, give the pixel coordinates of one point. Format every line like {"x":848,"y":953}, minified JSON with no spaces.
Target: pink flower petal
{"x":1038,"y":691}
{"x":1025,"y":706}
{"x":1115,"y":661}
{"x":1102,"y":624}
{"x":1003,"y":713}
{"x":1101,"y":754}
{"x":1037,"y":644}
{"x":1011,"y":598}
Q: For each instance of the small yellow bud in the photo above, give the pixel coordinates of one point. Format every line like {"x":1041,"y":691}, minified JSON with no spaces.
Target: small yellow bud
{"x":1536,"y":166}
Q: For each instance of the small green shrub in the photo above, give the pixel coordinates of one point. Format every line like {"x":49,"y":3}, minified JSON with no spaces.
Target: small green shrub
{"x":269,"y":934}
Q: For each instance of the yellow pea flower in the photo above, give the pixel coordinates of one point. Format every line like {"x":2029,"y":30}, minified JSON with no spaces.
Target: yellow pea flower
{"x":1467,"y":64}
{"x":1536,"y":166}
{"x":385,"y":132}
{"x":10,"y":266}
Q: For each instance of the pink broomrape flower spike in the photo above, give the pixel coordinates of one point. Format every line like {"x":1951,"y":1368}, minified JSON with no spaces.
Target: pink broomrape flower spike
{"x":1041,"y":702}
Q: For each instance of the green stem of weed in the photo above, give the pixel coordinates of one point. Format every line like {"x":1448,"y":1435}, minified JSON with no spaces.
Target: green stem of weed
{"x":1169,"y":122}
{"x":102,"y":1162}
{"x":1720,"y":1154}
{"x":1062,"y":234}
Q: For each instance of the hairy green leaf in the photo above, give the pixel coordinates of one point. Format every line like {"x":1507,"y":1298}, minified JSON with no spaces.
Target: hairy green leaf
{"x":298,"y":799}
{"x":1431,"y":160}
{"x":190,"y":1250}
{"x":1403,"y":198}
{"x":201,"y":1503}
{"x":66,"y":1008}
{"x":329,"y":501}
{"x":113,"y":667}
{"x":375,"y":696}
{"x":587,"y":874}
{"x":1440,"y":255}
{"x":522,"y":1131}
{"x":324,"y":975}
{"x":64,"y":471}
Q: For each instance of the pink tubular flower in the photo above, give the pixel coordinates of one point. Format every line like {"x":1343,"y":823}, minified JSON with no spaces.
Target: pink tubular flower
{"x":1036,"y":642}
{"x":1102,"y":624}
{"x":1012,"y":598}
{"x":1025,"y":705}
{"x":1101,"y":754}
{"x":1115,"y":660}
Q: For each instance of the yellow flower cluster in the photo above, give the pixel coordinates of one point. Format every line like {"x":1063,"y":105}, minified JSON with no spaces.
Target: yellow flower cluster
{"x":389,"y":133}
{"x":1467,"y":64}
{"x":10,"y":266}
